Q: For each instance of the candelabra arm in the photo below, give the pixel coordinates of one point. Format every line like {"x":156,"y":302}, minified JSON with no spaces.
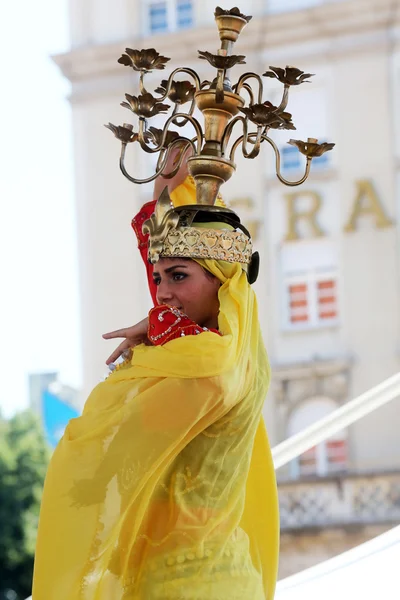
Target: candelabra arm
{"x":278,"y":165}
{"x":184,"y":120}
{"x":196,"y":125}
{"x":244,"y":78}
{"x":228,"y":132}
{"x":159,"y":168}
{"x":247,"y":137}
{"x":172,"y":119}
{"x":285,"y":99}
{"x":187,"y":70}
{"x":248,"y":89}
{"x":178,"y":165}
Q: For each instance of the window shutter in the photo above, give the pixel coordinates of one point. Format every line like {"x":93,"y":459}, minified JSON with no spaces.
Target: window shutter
{"x":308,"y":462}
{"x":158,"y":17}
{"x":336,"y":454}
{"x":298,"y":303}
{"x":326,"y":299}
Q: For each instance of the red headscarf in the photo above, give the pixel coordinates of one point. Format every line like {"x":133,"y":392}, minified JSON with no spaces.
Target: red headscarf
{"x":137,"y":223}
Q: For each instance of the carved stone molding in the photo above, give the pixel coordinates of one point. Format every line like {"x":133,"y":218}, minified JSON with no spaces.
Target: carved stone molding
{"x":295,"y":383}
{"x":330,"y":29}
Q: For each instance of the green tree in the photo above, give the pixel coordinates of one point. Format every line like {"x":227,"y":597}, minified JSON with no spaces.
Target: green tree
{"x":24,"y":456}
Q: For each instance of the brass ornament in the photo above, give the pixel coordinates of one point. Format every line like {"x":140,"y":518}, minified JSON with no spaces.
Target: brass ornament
{"x":221,"y":244}
{"x":161,"y":221}
{"x":219,"y":100}
{"x":230,"y":23}
{"x":233,"y":12}
{"x":268,"y":115}
{"x":124,"y":132}
{"x":179,"y":92}
{"x":155,"y":136}
{"x":289,"y":76}
{"x":220,"y":61}
{"x":225,"y":107}
{"x":311,"y":148}
{"x":143,"y":60}
{"x":145,"y":105}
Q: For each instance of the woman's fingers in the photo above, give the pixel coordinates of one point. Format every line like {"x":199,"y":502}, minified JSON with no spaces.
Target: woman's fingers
{"x":128,"y":332}
{"x":118,"y":351}
{"x":117,"y":333}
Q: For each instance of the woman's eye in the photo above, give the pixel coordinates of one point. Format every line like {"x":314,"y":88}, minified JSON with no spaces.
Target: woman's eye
{"x":157,"y":281}
{"x":179,"y":276}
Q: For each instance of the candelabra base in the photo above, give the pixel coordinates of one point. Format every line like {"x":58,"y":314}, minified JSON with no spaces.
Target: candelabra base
{"x":209,"y":173}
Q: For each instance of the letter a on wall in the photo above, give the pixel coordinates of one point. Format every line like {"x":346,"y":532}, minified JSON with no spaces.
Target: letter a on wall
{"x":367,"y":203}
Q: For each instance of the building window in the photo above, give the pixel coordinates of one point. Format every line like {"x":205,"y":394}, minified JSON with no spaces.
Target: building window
{"x":328,"y":457}
{"x":277,"y":6}
{"x":169,"y":15}
{"x":158,"y":17}
{"x":184,"y":14}
{"x":292,"y":159}
{"x":311,"y":299}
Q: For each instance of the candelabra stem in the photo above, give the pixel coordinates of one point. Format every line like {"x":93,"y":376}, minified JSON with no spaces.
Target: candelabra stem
{"x":285,"y":98}
{"x":142,"y":124}
{"x":141,"y":83}
{"x":228,"y":46}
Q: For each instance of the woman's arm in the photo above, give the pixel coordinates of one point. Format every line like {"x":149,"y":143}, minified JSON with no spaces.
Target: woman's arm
{"x":161,"y":182}
{"x":164,"y":323}
{"x":138,"y":334}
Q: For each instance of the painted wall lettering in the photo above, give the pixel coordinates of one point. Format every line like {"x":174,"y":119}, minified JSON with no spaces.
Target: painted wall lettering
{"x":295,"y":214}
{"x":367,"y":204}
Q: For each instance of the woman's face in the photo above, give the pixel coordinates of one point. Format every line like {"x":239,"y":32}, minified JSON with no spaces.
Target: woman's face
{"x":183,"y":283}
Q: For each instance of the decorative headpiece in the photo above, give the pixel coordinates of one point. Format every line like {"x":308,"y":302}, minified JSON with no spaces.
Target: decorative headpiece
{"x":173,"y":232}
{"x":182,"y":231}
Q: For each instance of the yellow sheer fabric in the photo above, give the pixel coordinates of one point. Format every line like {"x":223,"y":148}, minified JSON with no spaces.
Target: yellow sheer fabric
{"x":185,"y":193}
{"x":164,"y":488}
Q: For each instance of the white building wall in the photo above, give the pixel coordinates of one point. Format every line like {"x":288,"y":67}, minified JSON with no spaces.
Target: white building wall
{"x":351,"y":101}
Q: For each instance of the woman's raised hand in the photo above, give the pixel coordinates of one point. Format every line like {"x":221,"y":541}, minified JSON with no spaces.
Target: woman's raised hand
{"x":135,"y":335}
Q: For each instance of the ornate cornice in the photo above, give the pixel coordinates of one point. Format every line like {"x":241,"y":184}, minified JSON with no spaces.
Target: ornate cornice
{"x":330,"y":29}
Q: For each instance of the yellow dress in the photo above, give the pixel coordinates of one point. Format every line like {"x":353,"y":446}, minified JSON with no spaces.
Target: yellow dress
{"x":164,"y":488}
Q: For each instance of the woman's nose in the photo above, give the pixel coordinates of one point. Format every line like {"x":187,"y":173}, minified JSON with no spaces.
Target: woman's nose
{"x":164,"y":293}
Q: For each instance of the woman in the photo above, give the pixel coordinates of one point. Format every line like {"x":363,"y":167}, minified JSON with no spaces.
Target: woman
{"x":164,"y":488}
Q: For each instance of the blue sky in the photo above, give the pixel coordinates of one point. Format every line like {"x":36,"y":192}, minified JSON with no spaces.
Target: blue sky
{"x":39,"y":304}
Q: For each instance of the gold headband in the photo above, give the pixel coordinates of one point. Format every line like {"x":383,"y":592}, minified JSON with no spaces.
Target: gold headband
{"x":173,"y":233}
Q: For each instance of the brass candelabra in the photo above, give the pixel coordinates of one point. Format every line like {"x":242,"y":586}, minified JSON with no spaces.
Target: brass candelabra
{"x":222,"y":106}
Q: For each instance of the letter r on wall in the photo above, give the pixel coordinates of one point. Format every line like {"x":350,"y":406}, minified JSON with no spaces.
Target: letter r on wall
{"x":309,"y":214}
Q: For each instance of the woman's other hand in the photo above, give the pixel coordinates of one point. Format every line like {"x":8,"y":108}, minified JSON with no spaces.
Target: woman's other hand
{"x":161,"y":182}
{"x":135,"y":335}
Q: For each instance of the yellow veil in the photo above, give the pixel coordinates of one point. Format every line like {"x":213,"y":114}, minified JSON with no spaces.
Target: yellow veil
{"x":164,"y":488}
